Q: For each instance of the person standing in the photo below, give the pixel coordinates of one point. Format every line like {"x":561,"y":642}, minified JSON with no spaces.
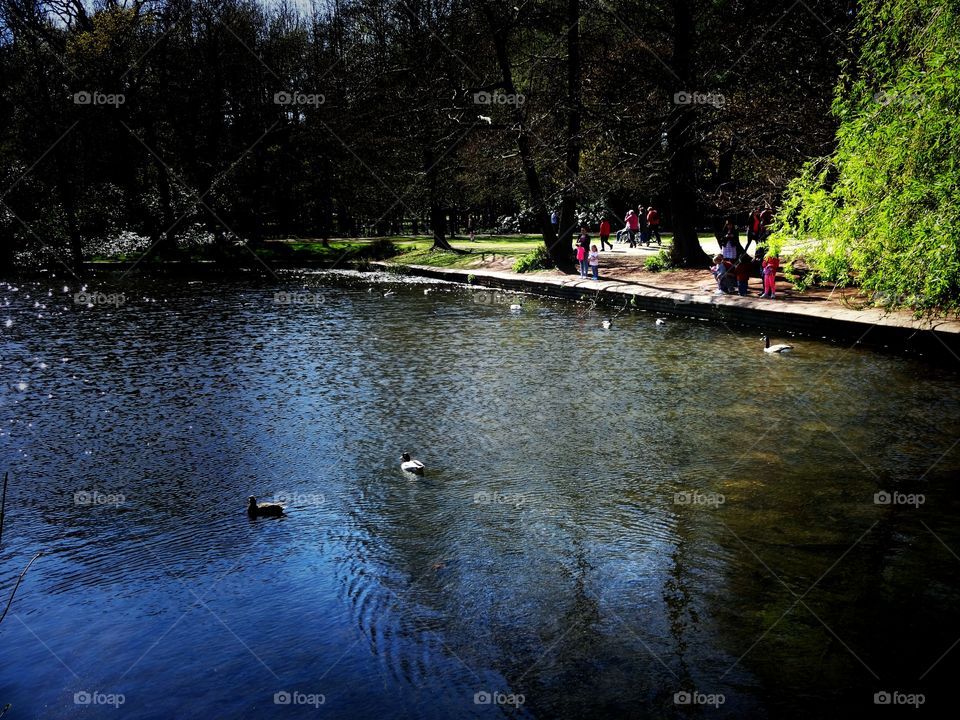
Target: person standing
{"x":583,"y":246}
{"x":633,"y":226}
{"x":742,"y":272}
{"x":644,"y":227}
{"x":770,"y":267}
{"x":593,"y":259}
{"x":605,"y":234}
{"x":653,"y":220}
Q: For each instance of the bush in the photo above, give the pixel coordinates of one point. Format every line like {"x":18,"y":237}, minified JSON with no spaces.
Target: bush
{"x":539,"y":259}
{"x":658,"y":262}
{"x":381,"y":249}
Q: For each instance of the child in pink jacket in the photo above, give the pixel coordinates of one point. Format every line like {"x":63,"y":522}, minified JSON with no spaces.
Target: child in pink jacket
{"x":770,"y":267}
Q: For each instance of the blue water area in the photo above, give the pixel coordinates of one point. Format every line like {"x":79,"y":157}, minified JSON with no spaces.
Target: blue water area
{"x":641,"y":521}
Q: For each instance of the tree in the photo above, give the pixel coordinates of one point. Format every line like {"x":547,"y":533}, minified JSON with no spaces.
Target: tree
{"x":883,"y":209}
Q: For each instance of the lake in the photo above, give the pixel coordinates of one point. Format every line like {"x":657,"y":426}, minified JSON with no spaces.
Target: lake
{"x":645,"y":521}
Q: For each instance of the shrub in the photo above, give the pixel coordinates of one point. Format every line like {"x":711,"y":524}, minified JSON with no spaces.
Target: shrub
{"x":658,"y":262}
{"x":539,"y":259}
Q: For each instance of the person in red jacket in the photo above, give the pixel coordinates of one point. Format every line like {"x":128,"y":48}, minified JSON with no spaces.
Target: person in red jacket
{"x":605,"y":235}
{"x":653,"y":222}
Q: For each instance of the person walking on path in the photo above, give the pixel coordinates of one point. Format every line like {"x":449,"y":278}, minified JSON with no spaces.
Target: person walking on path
{"x":583,"y":245}
{"x":653,"y":220}
{"x":633,"y":226}
{"x":770,"y":267}
{"x":593,"y":259}
{"x":644,"y":226}
{"x":605,"y":234}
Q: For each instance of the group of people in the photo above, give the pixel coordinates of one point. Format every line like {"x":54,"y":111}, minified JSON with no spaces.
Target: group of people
{"x":640,"y":224}
{"x":734,"y":275}
{"x":733,"y":266}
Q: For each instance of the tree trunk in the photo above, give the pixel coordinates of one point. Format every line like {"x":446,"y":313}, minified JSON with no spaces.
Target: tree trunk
{"x":682,"y":143}
{"x":438,"y":216}
{"x":568,"y":206}
{"x":561,"y":255}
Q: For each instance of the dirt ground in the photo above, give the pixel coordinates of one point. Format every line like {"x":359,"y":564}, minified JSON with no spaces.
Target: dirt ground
{"x":627,"y":265}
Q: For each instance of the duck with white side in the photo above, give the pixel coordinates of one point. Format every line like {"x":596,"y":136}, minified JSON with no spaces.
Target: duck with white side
{"x":410,"y":465}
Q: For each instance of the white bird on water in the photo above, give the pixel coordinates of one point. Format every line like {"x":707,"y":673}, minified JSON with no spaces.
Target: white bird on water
{"x":781,"y":348}
{"x":607,"y":324}
{"x":516,"y":306}
{"x":410,"y":465}
{"x":661,"y":321}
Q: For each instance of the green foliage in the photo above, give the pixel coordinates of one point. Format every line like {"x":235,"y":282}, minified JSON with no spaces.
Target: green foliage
{"x":659,"y":262}
{"x":884,"y":210}
{"x":539,"y":259}
{"x":471,"y":278}
{"x":380,"y":249}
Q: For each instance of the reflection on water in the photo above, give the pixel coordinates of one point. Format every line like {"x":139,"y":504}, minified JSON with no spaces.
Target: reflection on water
{"x":609,"y":517}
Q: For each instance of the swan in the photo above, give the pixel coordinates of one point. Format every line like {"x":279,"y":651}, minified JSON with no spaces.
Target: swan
{"x":410,"y":465}
{"x":263,"y":509}
{"x":607,"y":324}
{"x":661,"y":321}
{"x":768,"y":348}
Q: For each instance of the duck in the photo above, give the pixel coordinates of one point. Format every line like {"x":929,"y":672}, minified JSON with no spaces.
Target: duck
{"x":387,"y":293}
{"x":516,"y":306}
{"x":263,"y":509}
{"x":607,"y":324}
{"x":661,"y":322}
{"x":410,"y":465}
{"x":781,"y":348}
